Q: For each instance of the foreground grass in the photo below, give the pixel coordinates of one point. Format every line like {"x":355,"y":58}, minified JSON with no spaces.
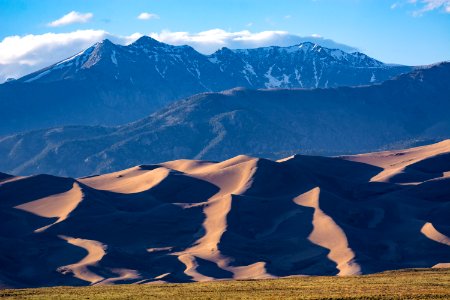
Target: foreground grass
{"x":406,"y":284}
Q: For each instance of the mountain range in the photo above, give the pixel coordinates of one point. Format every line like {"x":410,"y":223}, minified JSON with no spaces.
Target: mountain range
{"x":243,"y":218}
{"x":402,"y":112}
{"x":109,"y":84}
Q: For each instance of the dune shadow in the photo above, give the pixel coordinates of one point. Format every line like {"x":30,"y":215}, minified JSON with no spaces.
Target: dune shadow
{"x":426,"y":169}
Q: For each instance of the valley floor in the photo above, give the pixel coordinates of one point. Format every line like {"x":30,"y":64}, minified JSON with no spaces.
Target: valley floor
{"x":403,"y":284}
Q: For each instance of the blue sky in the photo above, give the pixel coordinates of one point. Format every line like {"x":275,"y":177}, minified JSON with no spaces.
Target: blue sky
{"x":409,"y":32}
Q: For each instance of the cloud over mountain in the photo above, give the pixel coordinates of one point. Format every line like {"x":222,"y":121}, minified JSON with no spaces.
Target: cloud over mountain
{"x":210,"y":40}
{"x":20,"y":55}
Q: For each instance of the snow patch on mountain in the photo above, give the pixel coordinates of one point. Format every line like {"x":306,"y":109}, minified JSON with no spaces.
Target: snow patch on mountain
{"x":113,"y":57}
{"x":272,"y":81}
{"x":76,"y":57}
{"x":306,"y":65}
{"x":298,"y":77}
{"x":337,"y":54}
{"x":214,"y":60}
{"x":39,"y":76}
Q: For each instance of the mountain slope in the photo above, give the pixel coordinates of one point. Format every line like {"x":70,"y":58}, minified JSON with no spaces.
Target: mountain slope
{"x":302,"y":66}
{"x":109,"y":84}
{"x":243,"y":218}
{"x":272,"y":124}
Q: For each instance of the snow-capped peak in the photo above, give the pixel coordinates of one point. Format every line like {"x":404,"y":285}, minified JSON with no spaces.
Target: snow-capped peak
{"x":76,"y":58}
{"x":303,"y":65}
{"x":146,"y":41}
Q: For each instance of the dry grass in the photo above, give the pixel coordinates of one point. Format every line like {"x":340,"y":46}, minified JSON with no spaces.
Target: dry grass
{"x":405,"y":284}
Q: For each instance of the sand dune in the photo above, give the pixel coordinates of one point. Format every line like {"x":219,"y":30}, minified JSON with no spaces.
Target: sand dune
{"x":232,"y":177}
{"x":95,"y":252}
{"x":328,"y":234}
{"x":191,"y":268}
{"x":123,"y":275}
{"x":430,"y":232}
{"x":55,"y":206}
{"x":243,"y":218}
{"x":4,"y":176}
{"x":395,"y":163}
{"x":134,"y":180}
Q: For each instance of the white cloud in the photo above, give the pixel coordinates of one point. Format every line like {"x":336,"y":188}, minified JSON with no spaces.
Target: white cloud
{"x":435,"y":4}
{"x":423,"y":6}
{"x":211,"y":40}
{"x":71,"y":18}
{"x":21,"y":55}
{"x":126,"y":40}
{"x":147,"y":16}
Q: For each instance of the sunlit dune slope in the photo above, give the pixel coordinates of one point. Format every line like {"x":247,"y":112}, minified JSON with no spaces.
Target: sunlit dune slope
{"x":243,"y":218}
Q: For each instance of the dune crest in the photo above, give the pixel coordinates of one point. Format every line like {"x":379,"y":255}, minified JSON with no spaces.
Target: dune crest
{"x":328,"y":234}
{"x":430,"y":232}
{"x":243,"y":218}
{"x":80,"y":270}
{"x":233,"y":177}
{"x":187,"y":165}
{"x":55,"y":206}
{"x":191,"y":268}
{"x":395,"y":162}
{"x":129,"y":181}
{"x":124,"y":275}
{"x":253,"y":271}
{"x":5,"y":178}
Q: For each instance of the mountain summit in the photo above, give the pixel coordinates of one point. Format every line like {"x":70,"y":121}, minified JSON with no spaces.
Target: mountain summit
{"x":110,"y":84}
{"x":306,"y":65}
